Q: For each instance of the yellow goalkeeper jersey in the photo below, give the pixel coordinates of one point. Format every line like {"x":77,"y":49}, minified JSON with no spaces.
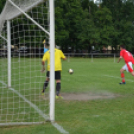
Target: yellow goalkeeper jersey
{"x":58,"y":55}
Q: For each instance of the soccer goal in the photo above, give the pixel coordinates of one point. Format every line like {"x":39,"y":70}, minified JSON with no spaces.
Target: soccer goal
{"x":24,"y":24}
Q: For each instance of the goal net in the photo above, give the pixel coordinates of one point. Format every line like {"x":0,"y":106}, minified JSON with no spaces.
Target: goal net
{"x":24,"y":24}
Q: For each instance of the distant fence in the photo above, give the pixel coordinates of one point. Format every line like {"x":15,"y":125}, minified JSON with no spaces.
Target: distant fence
{"x":97,"y":55}
{"x":86,"y":55}
{"x":38,"y":52}
{"x":92,"y":55}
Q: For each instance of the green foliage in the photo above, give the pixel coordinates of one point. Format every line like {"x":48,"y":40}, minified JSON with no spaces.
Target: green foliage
{"x":103,"y":21}
{"x":86,"y":25}
{"x":61,"y":32}
{"x":80,"y":23}
{"x":2,"y":3}
{"x":73,"y":15}
{"x":122,"y":18}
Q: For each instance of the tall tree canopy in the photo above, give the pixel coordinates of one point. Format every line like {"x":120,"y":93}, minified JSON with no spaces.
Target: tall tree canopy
{"x":2,"y":3}
{"x":80,"y":24}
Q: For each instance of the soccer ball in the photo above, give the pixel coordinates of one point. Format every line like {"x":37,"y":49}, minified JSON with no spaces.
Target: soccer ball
{"x":70,"y":71}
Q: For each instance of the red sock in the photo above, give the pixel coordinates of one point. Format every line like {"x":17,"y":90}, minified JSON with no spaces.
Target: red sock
{"x":123,"y":77}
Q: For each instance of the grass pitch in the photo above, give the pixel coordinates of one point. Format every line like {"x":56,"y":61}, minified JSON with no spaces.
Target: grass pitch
{"x":98,"y":116}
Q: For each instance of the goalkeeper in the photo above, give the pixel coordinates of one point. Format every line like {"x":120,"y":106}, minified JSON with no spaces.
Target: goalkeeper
{"x":58,"y":68}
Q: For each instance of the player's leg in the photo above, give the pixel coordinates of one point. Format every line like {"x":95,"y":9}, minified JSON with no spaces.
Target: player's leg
{"x":132,"y":73}
{"x":58,"y":87}
{"x":58,"y":83}
{"x":130,"y":68}
{"x":46,"y":82}
{"x":122,"y":74}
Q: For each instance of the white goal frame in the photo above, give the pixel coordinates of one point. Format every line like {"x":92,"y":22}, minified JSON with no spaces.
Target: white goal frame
{"x":52,"y":46}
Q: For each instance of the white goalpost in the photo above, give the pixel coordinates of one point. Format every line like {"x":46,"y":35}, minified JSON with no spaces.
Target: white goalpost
{"x":24,"y":24}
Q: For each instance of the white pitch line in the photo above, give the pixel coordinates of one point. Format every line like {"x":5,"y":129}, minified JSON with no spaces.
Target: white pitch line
{"x":57,"y":126}
{"x":117,"y":77}
{"x":60,"y":128}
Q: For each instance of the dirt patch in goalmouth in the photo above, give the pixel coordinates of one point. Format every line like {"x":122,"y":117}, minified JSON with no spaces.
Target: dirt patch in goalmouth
{"x":88,"y":96}
{"x":85,"y":96}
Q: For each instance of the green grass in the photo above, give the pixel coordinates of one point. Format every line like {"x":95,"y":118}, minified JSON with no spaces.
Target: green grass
{"x":101,"y":116}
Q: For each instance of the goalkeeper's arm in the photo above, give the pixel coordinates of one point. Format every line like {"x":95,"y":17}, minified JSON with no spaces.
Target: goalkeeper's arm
{"x":43,"y":66}
{"x":43,"y":61}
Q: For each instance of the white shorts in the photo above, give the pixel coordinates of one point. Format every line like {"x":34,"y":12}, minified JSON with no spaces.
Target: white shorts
{"x":128,"y":67}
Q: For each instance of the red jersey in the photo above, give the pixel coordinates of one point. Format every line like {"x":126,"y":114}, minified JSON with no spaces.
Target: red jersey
{"x":128,"y":57}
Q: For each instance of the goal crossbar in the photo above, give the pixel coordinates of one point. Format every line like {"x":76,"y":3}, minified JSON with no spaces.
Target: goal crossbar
{"x":25,"y":10}
{"x":28,"y":17}
{"x":9,"y":16}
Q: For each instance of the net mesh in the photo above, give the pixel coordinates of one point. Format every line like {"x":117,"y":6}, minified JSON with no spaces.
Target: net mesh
{"x":10,"y":12}
{"x":23,"y":102}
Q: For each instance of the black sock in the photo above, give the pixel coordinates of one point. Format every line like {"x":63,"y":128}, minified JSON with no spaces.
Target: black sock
{"x":45,"y":85}
{"x":58,"y":87}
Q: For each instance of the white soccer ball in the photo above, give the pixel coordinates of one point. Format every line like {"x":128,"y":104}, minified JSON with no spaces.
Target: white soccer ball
{"x":70,"y":71}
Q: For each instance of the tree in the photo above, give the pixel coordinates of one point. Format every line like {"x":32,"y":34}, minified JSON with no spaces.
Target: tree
{"x":90,"y":6}
{"x":103,"y":21}
{"x":88,"y":33}
{"x":2,"y":4}
{"x":122,"y":21}
{"x":61,"y":32}
{"x":69,"y":16}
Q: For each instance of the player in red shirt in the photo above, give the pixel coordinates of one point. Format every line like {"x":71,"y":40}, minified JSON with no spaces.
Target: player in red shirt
{"x":128,"y":58}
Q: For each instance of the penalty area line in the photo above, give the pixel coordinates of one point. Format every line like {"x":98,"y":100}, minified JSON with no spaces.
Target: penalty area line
{"x":57,"y":126}
{"x":117,"y":77}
